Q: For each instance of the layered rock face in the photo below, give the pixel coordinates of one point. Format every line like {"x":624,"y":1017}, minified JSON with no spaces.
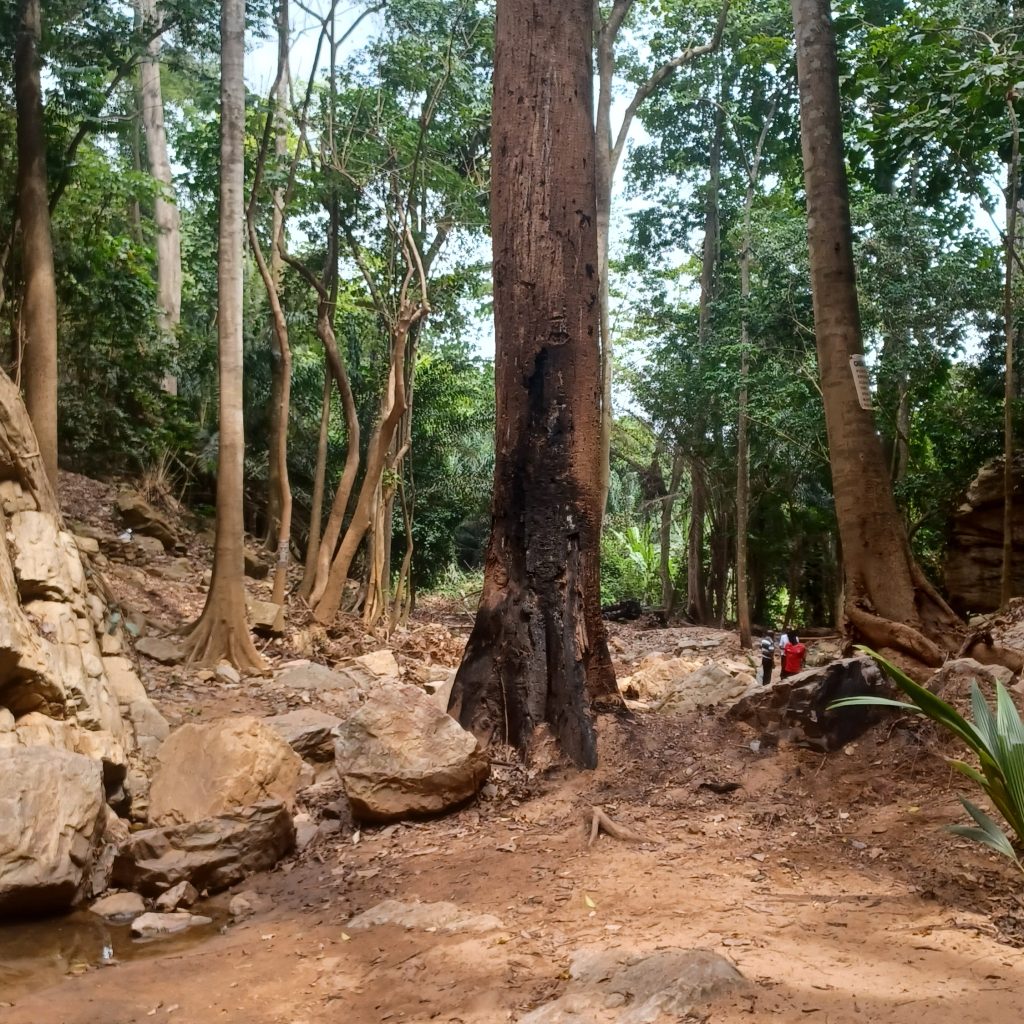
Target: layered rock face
{"x":974,"y":559}
{"x":66,"y":733}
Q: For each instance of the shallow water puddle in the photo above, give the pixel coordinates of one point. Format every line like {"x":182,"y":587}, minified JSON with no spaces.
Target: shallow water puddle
{"x":35,"y":954}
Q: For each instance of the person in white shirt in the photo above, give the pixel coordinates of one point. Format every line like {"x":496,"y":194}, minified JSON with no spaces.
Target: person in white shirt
{"x":767,"y":657}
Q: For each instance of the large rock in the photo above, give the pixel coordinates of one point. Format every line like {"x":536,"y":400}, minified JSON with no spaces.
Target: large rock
{"x":953,"y":681}
{"x":798,"y":705}
{"x":428,"y":917}
{"x":207,"y":770}
{"x":617,"y":987}
{"x":52,"y":816}
{"x":41,"y":557}
{"x":401,"y":755}
{"x":137,"y":513}
{"x":212,"y":854}
{"x":974,"y":557}
{"x":167,"y":652}
{"x":155,"y":926}
{"x":119,"y":906}
{"x":708,"y":686}
{"x":310,"y":733}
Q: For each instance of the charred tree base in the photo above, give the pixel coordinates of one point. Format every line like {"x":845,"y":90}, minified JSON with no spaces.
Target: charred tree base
{"x":535,"y":655}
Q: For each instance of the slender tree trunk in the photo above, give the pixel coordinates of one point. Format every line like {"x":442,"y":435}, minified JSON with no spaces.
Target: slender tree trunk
{"x":38,"y":363}
{"x":711,"y":247}
{"x":889,"y":602}
{"x":538,"y":649}
{"x":319,"y":484}
{"x":668,"y":590}
{"x":276,"y":486}
{"x":696,"y":609}
{"x":165,"y":209}
{"x":222,"y":631}
{"x":1012,"y":189}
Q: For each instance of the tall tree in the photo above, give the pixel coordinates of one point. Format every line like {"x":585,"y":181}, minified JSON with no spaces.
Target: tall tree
{"x":222,"y":631}
{"x":538,"y":651}
{"x":888,"y":600}
{"x":38,"y":363}
{"x":165,"y":208}
{"x":610,"y":145}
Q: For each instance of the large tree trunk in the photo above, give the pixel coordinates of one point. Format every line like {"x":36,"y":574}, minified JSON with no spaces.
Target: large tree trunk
{"x":1009,"y":392}
{"x":538,"y":651}
{"x":668,"y":502}
{"x":38,"y":364}
{"x":889,"y":603}
{"x":165,"y":209}
{"x":222,"y":631}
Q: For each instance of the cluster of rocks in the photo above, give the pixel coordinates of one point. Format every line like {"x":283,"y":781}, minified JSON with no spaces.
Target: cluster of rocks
{"x":98,"y":795}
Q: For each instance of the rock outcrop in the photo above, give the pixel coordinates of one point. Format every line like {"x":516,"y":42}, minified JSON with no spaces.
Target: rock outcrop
{"x":797,"y":706}
{"x":400,"y":755}
{"x":310,"y":733}
{"x":143,"y":519}
{"x":212,"y":854}
{"x":974,"y":558}
{"x":224,"y":766}
{"x":52,"y":817}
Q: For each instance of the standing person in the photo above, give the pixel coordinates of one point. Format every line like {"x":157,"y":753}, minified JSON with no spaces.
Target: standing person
{"x":767,"y":657}
{"x":793,"y":656}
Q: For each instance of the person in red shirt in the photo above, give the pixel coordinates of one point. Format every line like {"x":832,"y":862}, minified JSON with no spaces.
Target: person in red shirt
{"x":793,"y":656}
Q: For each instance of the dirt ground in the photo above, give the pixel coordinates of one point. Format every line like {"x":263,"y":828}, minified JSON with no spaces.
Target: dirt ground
{"x":827,"y":879}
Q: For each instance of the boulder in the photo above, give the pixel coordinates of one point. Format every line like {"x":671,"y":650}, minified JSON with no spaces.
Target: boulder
{"x":656,"y":675}
{"x":400,"y":755}
{"x":953,"y":681}
{"x":308,"y":732}
{"x":155,"y":926}
{"x":256,"y":567}
{"x":211,"y":769}
{"x":800,"y":703}
{"x":267,"y":617}
{"x":640,"y":988}
{"x":52,"y":816}
{"x":212,"y":854}
{"x":707,"y":686}
{"x":167,"y":652}
{"x":142,"y":518}
{"x":119,"y":906}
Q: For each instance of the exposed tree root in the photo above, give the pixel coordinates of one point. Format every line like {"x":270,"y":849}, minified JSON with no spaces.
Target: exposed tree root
{"x":880,"y":632}
{"x":216,"y":637}
{"x":600,"y":822}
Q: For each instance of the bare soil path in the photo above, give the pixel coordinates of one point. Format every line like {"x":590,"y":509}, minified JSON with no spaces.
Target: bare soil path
{"x":827,"y":880}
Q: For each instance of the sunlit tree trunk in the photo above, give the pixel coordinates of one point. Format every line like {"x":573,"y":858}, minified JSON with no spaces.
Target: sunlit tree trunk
{"x":1009,"y":394}
{"x":38,"y":364}
{"x":889,"y":602}
{"x":222,"y":631}
{"x":165,"y":209}
{"x":538,"y":650}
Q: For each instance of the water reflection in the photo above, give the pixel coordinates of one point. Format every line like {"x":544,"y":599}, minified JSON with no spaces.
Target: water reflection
{"x":36,"y":954}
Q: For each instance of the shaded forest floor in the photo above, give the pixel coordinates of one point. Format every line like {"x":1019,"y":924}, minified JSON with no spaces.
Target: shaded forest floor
{"x":827,"y":879}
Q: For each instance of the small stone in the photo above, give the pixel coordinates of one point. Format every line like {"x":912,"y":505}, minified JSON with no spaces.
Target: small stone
{"x":267,"y":617}
{"x":183,"y":894}
{"x":239,"y":906}
{"x":153,"y":926}
{"x":228,"y":673}
{"x":119,"y":906}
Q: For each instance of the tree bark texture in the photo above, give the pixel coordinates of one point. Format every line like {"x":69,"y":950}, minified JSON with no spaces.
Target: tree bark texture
{"x":222,"y":631}
{"x":1009,"y":392}
{"x":38,"y":365}
{"x":889,"y":603}
{"x":165,"y":210}
{"x":538,"y":651}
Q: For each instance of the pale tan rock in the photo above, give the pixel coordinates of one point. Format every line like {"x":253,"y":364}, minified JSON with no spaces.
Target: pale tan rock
{"x":160,"y":649}
{"x":267,"y":617}
{"x":432,"y":917}
{"x":119,"y":906}
{"x":154,"y":926}
{"x":211,"y":769}
{"x":399,"y":755}
{"x":39,"y":556}
{"x":143,"y":519}
{"x":184,"y":894}
{"x":124,"y":681}
{"x":52,"y":815}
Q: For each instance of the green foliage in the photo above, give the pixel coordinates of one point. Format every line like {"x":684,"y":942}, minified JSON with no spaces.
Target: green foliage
{"x":997,"y":740}
{"x":629,"y":565}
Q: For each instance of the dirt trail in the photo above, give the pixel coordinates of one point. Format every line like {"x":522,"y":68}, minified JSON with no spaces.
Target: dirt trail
{"x":828,"y":880}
